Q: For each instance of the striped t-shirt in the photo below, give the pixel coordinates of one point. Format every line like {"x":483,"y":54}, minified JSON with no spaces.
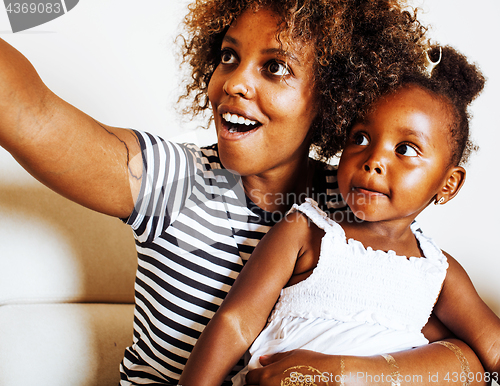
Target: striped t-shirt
{"x":194,"y":229}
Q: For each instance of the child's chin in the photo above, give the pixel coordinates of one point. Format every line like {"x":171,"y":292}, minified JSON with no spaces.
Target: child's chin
{"x":364,"y":215}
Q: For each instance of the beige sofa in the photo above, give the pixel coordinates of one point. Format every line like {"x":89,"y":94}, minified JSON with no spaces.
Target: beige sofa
{"x":66,"y":291}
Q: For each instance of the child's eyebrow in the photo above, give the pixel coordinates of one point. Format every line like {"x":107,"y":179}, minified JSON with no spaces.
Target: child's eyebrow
{"x":275,"y":51}
{"x":420,"y":135}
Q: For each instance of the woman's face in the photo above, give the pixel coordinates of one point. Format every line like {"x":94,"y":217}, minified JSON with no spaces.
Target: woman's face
{"x":262,"y":97}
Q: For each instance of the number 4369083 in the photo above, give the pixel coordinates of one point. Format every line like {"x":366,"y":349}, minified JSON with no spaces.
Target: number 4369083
{"x":34,"y":8}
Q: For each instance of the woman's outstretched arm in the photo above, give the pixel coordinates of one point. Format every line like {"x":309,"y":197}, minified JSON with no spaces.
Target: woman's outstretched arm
{"x":92,"y":164}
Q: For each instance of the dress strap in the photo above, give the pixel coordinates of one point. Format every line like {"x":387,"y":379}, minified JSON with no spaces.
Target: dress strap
{"x":311,"y":209}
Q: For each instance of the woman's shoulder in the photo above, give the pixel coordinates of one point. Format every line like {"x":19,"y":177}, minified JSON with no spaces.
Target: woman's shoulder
{"x":325,"y":190}
{"x":160,"y":148}
{"x":324,"y":167}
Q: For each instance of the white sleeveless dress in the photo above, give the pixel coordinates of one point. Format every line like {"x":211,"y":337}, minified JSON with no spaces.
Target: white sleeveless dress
{"x":357,"y":301}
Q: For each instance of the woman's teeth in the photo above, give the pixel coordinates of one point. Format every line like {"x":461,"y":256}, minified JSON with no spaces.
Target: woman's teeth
{"x":236,"y":119}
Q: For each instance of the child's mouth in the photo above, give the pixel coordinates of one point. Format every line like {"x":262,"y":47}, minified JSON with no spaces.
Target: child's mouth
{"x":369,"y":192}
{"x":238,"y":124}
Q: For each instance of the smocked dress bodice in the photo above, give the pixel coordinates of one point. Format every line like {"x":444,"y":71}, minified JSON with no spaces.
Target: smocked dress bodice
{"x":357,"y":301}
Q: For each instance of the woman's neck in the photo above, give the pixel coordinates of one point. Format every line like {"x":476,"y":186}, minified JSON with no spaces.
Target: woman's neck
{"x":278,"y":190}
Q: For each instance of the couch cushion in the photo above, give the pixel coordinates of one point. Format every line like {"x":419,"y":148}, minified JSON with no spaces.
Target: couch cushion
{"x":54,"y":250}
{"x":63,"y":344}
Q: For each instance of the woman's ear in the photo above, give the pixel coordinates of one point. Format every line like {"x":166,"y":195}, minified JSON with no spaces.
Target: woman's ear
{"x":454,"y":181}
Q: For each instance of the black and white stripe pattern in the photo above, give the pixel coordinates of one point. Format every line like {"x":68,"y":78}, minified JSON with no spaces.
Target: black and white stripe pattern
{"x":194,"y":229}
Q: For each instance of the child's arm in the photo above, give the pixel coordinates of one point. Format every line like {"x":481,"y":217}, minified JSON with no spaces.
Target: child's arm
{"x":244,"y":312}
{"x":61,"y":146}
{"x":461,"y":309}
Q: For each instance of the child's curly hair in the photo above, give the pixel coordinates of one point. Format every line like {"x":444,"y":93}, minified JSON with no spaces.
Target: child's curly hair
{"x":457,"y":83}
{"x":361,"y":47}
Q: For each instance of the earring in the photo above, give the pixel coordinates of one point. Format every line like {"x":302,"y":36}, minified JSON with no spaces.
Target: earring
{"x":439,"y":202}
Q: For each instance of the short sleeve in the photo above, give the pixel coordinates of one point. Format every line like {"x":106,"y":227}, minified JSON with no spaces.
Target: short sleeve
{"x":169,"y":171}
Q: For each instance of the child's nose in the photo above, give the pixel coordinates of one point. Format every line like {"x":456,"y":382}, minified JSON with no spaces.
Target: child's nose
{"x":375,"y":163}
{"x":369,"y":167}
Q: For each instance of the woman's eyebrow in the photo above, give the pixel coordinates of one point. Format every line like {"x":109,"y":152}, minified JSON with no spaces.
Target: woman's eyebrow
{"x":282,"y":53}
{"x":231,"y":40}
{"x":274,"y":51}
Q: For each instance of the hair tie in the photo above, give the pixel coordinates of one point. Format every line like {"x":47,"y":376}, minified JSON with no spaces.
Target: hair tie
{"x":429,"y":64}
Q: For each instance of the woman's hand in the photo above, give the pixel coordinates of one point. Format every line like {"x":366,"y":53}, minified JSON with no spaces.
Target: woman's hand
{"x":428,"y":365}
{"x":294,"y":364}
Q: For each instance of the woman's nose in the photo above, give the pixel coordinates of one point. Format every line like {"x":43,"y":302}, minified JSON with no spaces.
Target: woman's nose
{"x":240,"y":83}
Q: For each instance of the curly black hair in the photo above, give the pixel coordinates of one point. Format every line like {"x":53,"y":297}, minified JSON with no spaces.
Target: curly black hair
{"x":456,"y":82}
{"x":361,"y":48}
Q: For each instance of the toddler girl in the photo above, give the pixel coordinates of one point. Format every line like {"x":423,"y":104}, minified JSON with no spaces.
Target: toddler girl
{"x":364,"y":281}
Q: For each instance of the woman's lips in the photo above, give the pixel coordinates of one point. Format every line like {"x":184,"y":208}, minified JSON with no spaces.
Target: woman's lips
{"x":238,"y":119}
{"x":235,"y":125}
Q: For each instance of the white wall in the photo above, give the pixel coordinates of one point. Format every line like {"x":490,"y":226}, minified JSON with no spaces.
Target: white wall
{"x":467,"y":227}
{"x":113,"y":59}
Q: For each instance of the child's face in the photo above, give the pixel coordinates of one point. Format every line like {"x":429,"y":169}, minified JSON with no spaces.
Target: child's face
{"x":396,"y":160}
{"x":268,"y":90}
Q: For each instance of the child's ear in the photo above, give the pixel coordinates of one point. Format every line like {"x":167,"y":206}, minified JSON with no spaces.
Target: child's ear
{"x":453,"y":182}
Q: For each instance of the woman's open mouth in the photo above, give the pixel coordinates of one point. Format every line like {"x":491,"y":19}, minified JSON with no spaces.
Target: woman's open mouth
{"x":237,"y":124}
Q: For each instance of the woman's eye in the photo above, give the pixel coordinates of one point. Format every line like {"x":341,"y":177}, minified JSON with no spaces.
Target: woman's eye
{"x":227,"y":57}
{"x":360,"y":139}
{"x":406,"y":150}
{"x":278,"y":69}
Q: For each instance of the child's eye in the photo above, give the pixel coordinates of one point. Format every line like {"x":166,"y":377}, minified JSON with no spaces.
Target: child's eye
{"x":360,"y":139}
{"x":406,"y":150}
{"x":278,"y":69}
{"x":227,"y":57}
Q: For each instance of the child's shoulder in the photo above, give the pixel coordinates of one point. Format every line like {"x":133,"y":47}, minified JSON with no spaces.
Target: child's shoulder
{"x":455,"y":271}
{"x":294,"y":232}
{"x":309,"y":212}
